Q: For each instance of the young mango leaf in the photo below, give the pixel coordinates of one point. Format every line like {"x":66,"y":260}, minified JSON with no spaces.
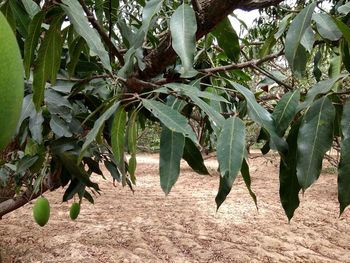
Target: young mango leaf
{"x":314,"y":140}
{"x":172,"y":119}
{"x":81,"y":25}
{"x":118,"y":134}
{"x":345,"y":121}
{"x":227,"y":39}
{"x":295,"y":52}
{"x":321,"y":87}
{"x":171,"y":150}
{"x":31,"y":41}
{"x":248,"y":183}
{"x":183,"y":27}
{"x":48,"y":62}
{"x":285,"y":111}
{"x":230,"y":154}
{"x":132,"y":137}
{"x":260,"y":115}
{"x":344,"y":175}
{"x":289,"y":185}
{"x":194,"y":158}
{"x":326,"y":27}
{"x":90,"y":137}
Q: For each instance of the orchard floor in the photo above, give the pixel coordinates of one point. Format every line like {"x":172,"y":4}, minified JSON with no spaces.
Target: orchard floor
{"x":184,"y":227}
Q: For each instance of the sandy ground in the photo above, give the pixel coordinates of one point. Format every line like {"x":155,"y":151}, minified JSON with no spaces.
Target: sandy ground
{"x":184,"y":227}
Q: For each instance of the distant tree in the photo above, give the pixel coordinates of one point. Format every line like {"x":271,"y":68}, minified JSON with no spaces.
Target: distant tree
{"x":96,"y":71}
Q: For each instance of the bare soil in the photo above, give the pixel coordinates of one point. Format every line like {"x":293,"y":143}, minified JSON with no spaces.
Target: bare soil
{"x":184,"y":227}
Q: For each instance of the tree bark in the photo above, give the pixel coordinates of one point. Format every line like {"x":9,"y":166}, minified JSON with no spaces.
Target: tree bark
{"x":209,"y":14}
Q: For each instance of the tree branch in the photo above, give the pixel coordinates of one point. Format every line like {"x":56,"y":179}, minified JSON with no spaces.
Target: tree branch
{"x":247,"y":64}
{"x":102,"y":33}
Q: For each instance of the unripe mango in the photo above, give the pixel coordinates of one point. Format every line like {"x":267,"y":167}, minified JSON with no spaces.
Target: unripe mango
{"x":11,"y":82}
{"x":41,"y":211}
{"x":74,"y":211}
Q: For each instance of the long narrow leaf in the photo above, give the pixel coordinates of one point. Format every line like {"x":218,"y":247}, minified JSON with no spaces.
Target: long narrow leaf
{"x":118,"y":134}
{"x":314,"y":140}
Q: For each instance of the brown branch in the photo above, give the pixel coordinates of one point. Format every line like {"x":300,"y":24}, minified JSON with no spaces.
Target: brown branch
{"x":102,"y":33}
{"x":247,"y":64}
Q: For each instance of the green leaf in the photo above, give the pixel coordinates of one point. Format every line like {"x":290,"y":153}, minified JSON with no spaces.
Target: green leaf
{"x":344,"y":9}
{"x":48,"y":62}
{"x":344,"y":175}
{"x":90,"y":137}
{"x":7,"y":12}
{"x":326,"y":27}
{"x":260,"y":115}
{"x":289,"y":185}
{"x":190,"y":91}
{"x":283,"y":25}
{"x":230,"y":154}
{"x":319,"y":88}
{"x":345,"y":120}
{"x":31,"y":41}
{"x":80,"y":22}
{"x":118,"y":134}
{"x":21,"y":16}
{"x":132,"y":141}
{"x":111,"y":9}
{"x":172,"y":119}
{"x":295,"y":53}
{"x":314,"y":140}
{"x":171,"y":150}
{"x":247,"y":180}
{"x":285,"y":111}
{"x":343,"y":28}
{"x":194,"y":158}
{"x":75,"y":49}
{"x":308,"y":39}
{"x":227,"y":39}
{"x":31,"y":7}
{"x":183,"y":27}
{"x":269,"y":43}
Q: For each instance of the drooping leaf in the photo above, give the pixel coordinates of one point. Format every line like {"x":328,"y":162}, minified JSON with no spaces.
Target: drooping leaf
{"x":31,"y":41}
{"x":321,"y":87}
{"x":21,"y":17}
{"x":285,"y":111}
{"x":260,"y":115}
{"x":132,"y":137}
{"x":118,"y":134}
{"x":194,"y":158}
{"x":230,"y":154}
{"x":268,"y":45}
{"x":48,"y":62}
{"x":283,"y":25}
{"x":172,"y":119}
{"x":326,"y":27}
{"x":90,"y":137}
{"x":314,"y":140}
{"x":75,"y":49}
{"x":345,"y":120}
{"x":343,"y":28}
{"x":80,"y":22}
{"x":289,"y":185}
{"x":295,"y":53}
{"x":247,"y":180}
{"x":227,"y":39}
{"x":345,"y":52}
{"x":183,"y":27}
{"x":344,"y":175}
{"x":171,"y":150}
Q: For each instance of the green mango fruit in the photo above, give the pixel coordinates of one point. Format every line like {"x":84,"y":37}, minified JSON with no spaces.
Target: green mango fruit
{"x":41,"y":211}
{"x":74,"y":211}
{"x":11,"y":82}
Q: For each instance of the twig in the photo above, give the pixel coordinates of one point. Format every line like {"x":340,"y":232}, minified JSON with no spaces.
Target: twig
{"x":102,"y":33}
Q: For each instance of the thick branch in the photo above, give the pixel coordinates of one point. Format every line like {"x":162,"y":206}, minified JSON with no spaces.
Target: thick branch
{"x":211,"y":13}
{"x":102,"y":33}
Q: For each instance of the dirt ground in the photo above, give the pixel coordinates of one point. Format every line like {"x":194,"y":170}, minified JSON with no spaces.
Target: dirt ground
{"x":184,"y":227}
